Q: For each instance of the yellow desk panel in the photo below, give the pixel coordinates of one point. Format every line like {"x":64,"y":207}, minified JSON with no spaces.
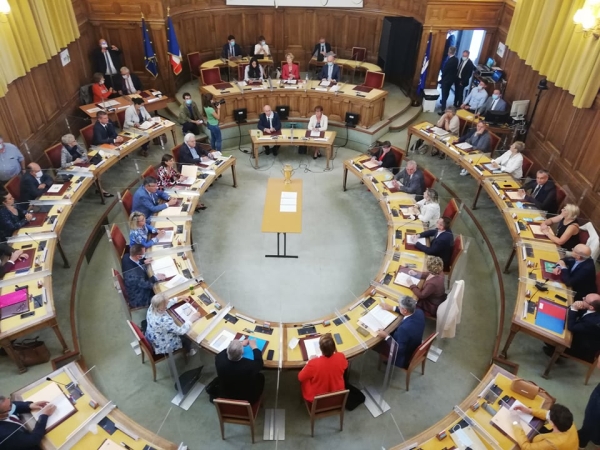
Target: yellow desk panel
{"x":275,"y":221}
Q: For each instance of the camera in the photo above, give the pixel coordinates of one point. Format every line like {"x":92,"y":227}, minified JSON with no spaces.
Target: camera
{"x":218,"y":102}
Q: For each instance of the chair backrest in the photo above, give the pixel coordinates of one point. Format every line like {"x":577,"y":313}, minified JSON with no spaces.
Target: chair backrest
{"x":121,"y":286}
{"x":241,"y":71}
{"x":494,"y":141}
{"x":121,"y":118}
{"x":175,"y":152}
{"x":194,"y":61}
{"x":329,"y":402}
{"x":359,"y":53}
{"x":13,"y":186}
{"x":144,"y":343}
{"x":420,"y":353}
{"x":127,"y":201}
{"x":593,"y":240}
{"x":88,"y":135}
{"x":527,"y":165}
{"x":210,"y":76}
{"x":561,"y":196}
{"x":430,"y":178}
{"x":374,"y":79}
{"x":399,"y":155}
{"x":150,"y":172}
{"x":462,"y":126}
{"x":459,"y":245}
{"x":53,"y":155}
{"x":451,"y":211}
{"x":233,"y":410}
{"x":118,"y":241}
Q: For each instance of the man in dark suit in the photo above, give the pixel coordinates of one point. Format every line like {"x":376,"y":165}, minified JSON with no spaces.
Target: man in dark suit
{"x":191,"y":152}
{"x":127,"y":83}
{"x":104,"y":131}
{"x":409,"y":333}
{"x":231,"y":49}
{"x":441,"y":243}
{"x":541,"y":192}
{"x":240,"y":378}
{"x":384,"y":156}
{"x":412,"y":179}
{"x":578,"y":271}
{"x":34,"y":183}
{"x":147,"y":199}
{"x":321,"y":49}
{"x":107,"y":60}
{"x":449,"y":71}
{"x":13,"y":434}
{"x":269,"y":123}
{"x":330,"y":71}
{"x":138,"y":284}
{"x":463,"y":75}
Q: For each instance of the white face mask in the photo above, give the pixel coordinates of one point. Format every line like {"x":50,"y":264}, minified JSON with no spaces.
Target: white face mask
{"x":125,"y":76}
{"x":101,"y":82}
{"x":263,"y":42}
{"x":104,"y":45}
{"x":39,"y":174}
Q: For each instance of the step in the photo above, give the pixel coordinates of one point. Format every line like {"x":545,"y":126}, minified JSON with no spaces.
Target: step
{"x":406,"y":118}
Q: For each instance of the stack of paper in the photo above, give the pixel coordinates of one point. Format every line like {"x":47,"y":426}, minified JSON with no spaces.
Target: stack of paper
{"x":464,"y":146}
{"x":166,"y":238}
{"x":187,"y":312}
{"x":288,"y":202}
{"x":190,"y":172}
{"x":146,"y":125}
{"x":414,"y":238}
{"x":55,"y":188}
{"x":313,"y":350}
{"x":165,"y":266}
{"x":439,"y":131}
{"x":222,"y":340}
{"x":325,"y":83}
{"x":377,"y":319}
{"x":53,"y":394}
{"x":514,"y":195}
{"x":370,"y":164}
{"x":170,"y":211}
{"x":404,"y":279}
{"x":315,"y":134}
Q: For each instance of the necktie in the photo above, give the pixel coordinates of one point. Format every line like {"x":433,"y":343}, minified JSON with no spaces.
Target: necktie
{"x":536,"y":190}
{"x":152,"y":197}
{"x":107,"y":62}
{"x":15,"y":419}
{"x":141,"y":116}
{"x":462,"y":63}
{"x":322,"y":47}
{"x":494,"y":104}
{"x":231,"y":52}
{"x":271,"y":122}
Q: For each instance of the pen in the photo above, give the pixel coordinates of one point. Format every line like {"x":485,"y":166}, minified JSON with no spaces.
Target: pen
{"x":126,"y":446}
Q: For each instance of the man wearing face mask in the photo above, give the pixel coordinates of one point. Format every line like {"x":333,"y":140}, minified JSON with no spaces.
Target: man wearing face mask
{"x":189,"y":115}
{"x":13,"y":434}
{"x":107,"y":60}
{"x":449,"y":71}
{"x":321,"y":49}
{"x":128,"y":83}
{"x":262,"y":48}
{"x":11,"y":161}
{"x":34,"y":183}
{"x":465,"y":70}
{"x":476,"y":98}
{"x":496,"y":103}
{"x":231,"y":49}
{"x":330,"y":71}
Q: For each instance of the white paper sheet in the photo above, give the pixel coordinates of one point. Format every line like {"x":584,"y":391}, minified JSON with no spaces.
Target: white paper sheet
{"x":293,"y":195}
{"x":146,"y":125}
{"x":167,"y":238}
{"x":53,"y":394}
{"x":55,"y":188}
{"x":404,"y":279}
{"x":414,"y":238}
{"x":170,"y":211}
{"x":325,"y":83}
{"x":312,"y":347}
{"x":166,"y":266}
{"x":287,"y":208}
{"x":377,"y":319}
{"x":315,"y":134}
{"x":464,"y":146}
{"x":222,"y":340}
{"x":176,"y":281}
{"x":187,"y":312}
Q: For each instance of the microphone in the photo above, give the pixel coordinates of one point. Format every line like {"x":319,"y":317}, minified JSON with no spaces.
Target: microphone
{"x":71,"y":387}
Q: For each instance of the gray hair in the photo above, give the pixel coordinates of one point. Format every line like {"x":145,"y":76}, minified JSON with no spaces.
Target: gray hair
{"x":411,"y":163}
{"x":124,"y":69}
{"x":235,"y":350}
{"x":451,"y":108}
{"x":67,"y":138}
{"x":157,"y":301}
{"x":188,"y":137}
{"x":408,"y":303}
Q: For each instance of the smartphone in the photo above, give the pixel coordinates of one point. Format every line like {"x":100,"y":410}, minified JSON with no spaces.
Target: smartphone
{"x":270,"y":355}
{"x":338,"y":338}
{"x":210,"y":315}
{"x":27,"y":314}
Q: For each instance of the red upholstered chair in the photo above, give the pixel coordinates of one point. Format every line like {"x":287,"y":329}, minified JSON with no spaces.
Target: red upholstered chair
{"x":463,"y":125}
{"x":150,"y":172}
{"x":457,"y":251}
{"x":325,"y":405}
{"x":147,"y":349}
{"x":359,"y":53}
{"x":120,"y":287}
{"x":119,"y":242}
{"x":175,"y":153}
{"x":527,"y":165}
{"x":194,"y":61}
{"x":241,"y":68}
{"x":121,"y":118}
{"x":13,"y":186}
{"x":495,"y":140}
{"x":239,"y":412}
{"x":561,"y":197}
{"x":374,"y":79}
{"x":210,"y":76}
{"x":127,"y":202}
{"x":430,"y":178}
{"x":399,"y":154}
{"x":451,"y":211}
{"x":88,"y":135}
{"x":53,"y":155}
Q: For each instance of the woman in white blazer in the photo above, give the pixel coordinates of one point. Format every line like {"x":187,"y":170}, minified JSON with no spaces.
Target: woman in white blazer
{"x":511,"y":161}
{"x":318,"y":122}
{"x":135,"y":115}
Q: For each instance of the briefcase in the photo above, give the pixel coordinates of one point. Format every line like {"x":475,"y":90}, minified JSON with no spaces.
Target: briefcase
{"x":527,"y":389}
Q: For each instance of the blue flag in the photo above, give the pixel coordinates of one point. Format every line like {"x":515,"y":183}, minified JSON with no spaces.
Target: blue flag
{"x":149,"y":56}
{"x":425,"y":66}
{"x":173,"y":48}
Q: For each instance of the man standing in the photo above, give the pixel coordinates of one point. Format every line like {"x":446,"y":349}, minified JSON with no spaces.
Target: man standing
{"x":104,"y":131}
{"x":189,"y":115}
{"x":269,"y":123}
{"x":411,"y":180}
{"x":578,"y":271}
{"x":12,"y":162}
{"x":127,"y":83}
{"x":240,"y":378}
{"x":107,"y":60}
{"x":34,"y":183}
{"x":139,"y":285}
{"x":448,"y":76}
{"x":542,"y":192}
{"x":13,"y":434}
{"x":465,"y":70}
{"x":321,"y":49}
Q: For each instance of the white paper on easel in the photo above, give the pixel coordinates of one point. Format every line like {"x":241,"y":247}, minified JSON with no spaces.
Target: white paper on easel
{"x":53,"y":394}
{"x":222,"y":340}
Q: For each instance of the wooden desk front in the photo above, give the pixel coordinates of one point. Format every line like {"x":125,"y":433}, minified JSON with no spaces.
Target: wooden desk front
{"x":151,"y":103}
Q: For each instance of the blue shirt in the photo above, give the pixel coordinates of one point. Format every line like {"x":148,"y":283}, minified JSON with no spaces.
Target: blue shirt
{"x":10,"y":162}
{"x":476,"y":98}
{"x":194,"y":153}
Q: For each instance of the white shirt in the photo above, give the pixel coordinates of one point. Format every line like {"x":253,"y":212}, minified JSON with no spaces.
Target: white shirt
{"x":264,"y":48}
{"x":110,"y":67}
{"x":430,"y":213}
{"x":247,"y":71}
{"x":312,"y":123}
{"x":512,"y":164}
{"x":132,"y":117}
{"x":454,"y":124}
{"x":476,"y":98}
{"x":129,"y":84}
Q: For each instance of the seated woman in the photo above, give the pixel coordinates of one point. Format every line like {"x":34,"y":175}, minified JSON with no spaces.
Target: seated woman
{"x":384,"y":156}
{"x":139,"y":231}
{"x":433,"y":292}
{"x":317,"y":122}
{"x":428,"y":209}
{"x":262,"y":48}
{"x":168,"y":175}
{"x":8,"y":258}
{"x":99,"y":90}
{"x":71,"y":153}
{"x":567,"y":228}
{"x":253,"y":71}
{"x":511,"y":161}
{"x":323,"y":374}
{"x":12,"y":216}
{"x":290,"y":71}
{"x":163,"y":333}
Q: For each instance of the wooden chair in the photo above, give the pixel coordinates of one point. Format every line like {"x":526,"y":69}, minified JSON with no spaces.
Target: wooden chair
{"x":457,"y":251}
{"x":399,"y":154}
{"x":150,"y":172}
{"x":561,"y":197}
{"x":147,"y":349}
{"x":359,"y":53}
{"x":121,"y":118}
{"x":119,"y":242}
{"x":451,"y":211}
{"x":430,"y":178}
{"x":53,"y":155}
{"x":210,"y":76}
{"x":13,"y":186}
{"x":527,"y":165}
{"x":418,"y":357}
{"x":374,"y":79}
{"x":591,"y":365}
{"x":194,"y":61}
{"x":241,"y":71}
{"x":127,"y":202}
{"x":239,"y":412}
{"x":88,"y":135}
{"x":326,"y":405}
{"x":494,"y":142}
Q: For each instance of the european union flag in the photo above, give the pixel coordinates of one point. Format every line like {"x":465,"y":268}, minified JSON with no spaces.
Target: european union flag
{"x":425,"y":66}
{"x":149,"y":56}
{"x":173,"y":48}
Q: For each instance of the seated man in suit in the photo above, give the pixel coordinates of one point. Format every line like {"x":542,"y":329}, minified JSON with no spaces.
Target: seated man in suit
{"x":384,"y":156}
{"x":231,"y":49}
{"x":138,"y":284}
{"x":191,"y":152}
{"x":495,"y":103}
{"x":479,"y":138}
{"x":411,"y":180}
{"x":240,"y":378}
{"x":189,"y":115}
{"x":13,"y":434}
{"x":409,"y":333}
{"x":330,"y":71}
{"x":321,"y":49}
{"x":34,"y":183}
{"x":269,"y":123}
{"x":147,"y":199}
{"x":562,"y":437}
{"x":441,"y":243}
{"x":578,"y":271}
{"x":127,"y":83}
{"x":541,"y":192}
{"x":104,"y":131}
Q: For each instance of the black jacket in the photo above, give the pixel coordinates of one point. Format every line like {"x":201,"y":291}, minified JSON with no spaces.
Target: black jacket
{"x":236,"y":48}
{"x":466,"y":73}
{"x":388,"y":161}
{"x":99,"y":60}
{"x":545,"y":199}
{"x":582,"y":280}
{"x":185,"y":155}
{"x":441,"y":246}
{"x":104,"y":135}
{"x":240,"y":380}
{"x":317,"y":51}
{"x":120,"y":85}
{"x":29,"y":186}
{"x":586,"y":334}
{"x":449,"y":71}
{"x":22,"y":439}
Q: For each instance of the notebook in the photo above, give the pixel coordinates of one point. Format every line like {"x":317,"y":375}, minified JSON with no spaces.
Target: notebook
{"x":377,"y":319}
{"x":551,"y":316}
{"x":53,"y":394}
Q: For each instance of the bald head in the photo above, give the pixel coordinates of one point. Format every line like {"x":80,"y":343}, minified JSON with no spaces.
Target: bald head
{"x":581,"y":251}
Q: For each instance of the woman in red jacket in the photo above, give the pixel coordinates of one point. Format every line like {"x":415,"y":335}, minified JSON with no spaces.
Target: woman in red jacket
{"x":99,"y":89}
{"x":324,"y":374}
{"x":290,"y":70}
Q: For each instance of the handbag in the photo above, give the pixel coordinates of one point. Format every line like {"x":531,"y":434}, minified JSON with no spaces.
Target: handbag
{"x":527,"y":389}
{"x":31,"y":351}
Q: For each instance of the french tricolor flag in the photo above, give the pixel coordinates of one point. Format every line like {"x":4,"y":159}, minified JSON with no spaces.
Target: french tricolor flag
{"x":173,"y":48}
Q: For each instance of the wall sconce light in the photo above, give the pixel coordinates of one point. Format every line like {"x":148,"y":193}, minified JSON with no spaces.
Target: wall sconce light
{"x":588,"y":18}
